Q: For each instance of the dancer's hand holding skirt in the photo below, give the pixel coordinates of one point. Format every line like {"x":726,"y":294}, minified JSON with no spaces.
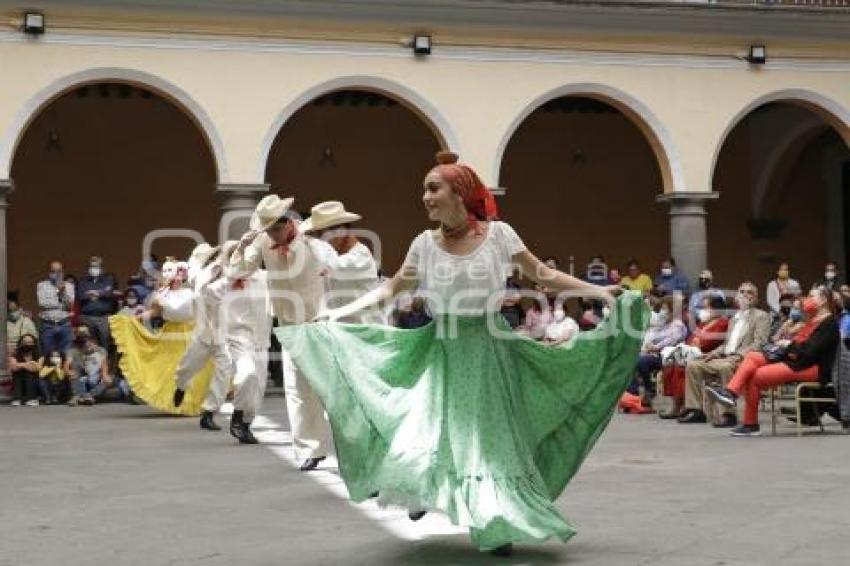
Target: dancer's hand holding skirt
{"x":464,"y":417}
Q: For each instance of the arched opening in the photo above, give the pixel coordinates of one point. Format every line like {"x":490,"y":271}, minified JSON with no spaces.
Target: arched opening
{"x":570,"y":169}
{"x":364,"y":148}
{"x":783,"y":172}
{"x":97,"y":169}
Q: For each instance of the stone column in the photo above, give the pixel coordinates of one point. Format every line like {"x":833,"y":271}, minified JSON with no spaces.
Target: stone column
{"x":5,"y":189}
{"x":688,"y":241}
{"x":238,"y":201}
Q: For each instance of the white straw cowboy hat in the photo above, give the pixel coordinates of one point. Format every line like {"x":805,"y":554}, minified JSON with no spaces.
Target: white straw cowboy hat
{"x":269,"y":210}
{"x":327,"y":215}
{"x":202,"y":253}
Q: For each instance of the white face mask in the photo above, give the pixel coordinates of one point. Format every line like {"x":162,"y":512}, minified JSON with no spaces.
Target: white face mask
{"x":132,"y":302}
{"x":56,"y":360}
{"x":743,"y":301}
{"x":95,"y":271}
{"x":559,"y":315}
{"x":704,"y":315}
{"x":660,"y":317}
{"x":830,"y":275}
{"x":606,"y":312}
{"x":666,"y":272}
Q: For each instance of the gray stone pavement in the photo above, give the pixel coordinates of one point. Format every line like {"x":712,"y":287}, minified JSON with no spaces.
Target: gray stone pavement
{"x":122,"y":485}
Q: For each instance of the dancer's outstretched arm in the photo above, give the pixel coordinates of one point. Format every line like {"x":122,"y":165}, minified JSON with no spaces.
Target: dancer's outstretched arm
{"x":544,"y":275}
{"x":246,"y":258}
{"x":404,"y":280}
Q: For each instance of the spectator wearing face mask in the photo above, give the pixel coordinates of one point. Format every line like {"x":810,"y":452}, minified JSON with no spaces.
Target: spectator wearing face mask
{"x":96,"y":292}
{"x":670,"y":281}
{"x":562,"y":328}
{"x":87,"y":367}
{"x":132,"y":305}
{"x":635,"y":279}
{"x":809,"y":356}
{"x":53,"y":382}
{"x":597,"y":272}
{"x":830,"y":278}
{"x":24,"y":366}
{"x":790,"y":315}
{"x":666,"y":329}
{"x":783,"y":284}
{"x":55,"y":304}
{"x":749,"y":331}
{"x":705,"y":288}
{"x":18,"y":322}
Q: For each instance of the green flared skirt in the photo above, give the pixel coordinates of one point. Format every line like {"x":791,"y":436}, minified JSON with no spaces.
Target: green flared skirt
{"x":464,"y":417}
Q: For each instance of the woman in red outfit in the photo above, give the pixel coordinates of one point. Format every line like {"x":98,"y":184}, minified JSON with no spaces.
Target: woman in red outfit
{"x":809,"y":357}
{"x":709,"y":334}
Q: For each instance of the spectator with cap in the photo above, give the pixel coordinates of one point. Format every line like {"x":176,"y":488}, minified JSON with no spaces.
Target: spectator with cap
{"x":670,"y":280}
{"x":705,"y":288}
{"x":96,"y":293}
{"x":18,"y":322}
{"x":55,"y":304}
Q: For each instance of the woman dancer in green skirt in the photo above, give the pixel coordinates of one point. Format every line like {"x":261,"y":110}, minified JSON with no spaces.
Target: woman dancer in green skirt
{"x":462,"y":416}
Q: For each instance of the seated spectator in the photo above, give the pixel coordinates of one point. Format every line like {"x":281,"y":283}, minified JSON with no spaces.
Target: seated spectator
{"x":537,"y":317}
{"x":53,"y":382}
{"x":635,"y":279}
{"x":782,"y":285}
{"x":591,"y":314}
{"x":24,"y":366}
{"x":614,"y":276}
{"x":710,"y":332}
{"x":87,"y":367}
{"x":666,"y":329}
{"x":412,"y":312}
{"x":55,"y":309}
{"x":562,"y":329}
{"x":808,"y":357}
{"x":511,"y":309}
{"x":597,"y":271}
{"x":749,"y":330}
{"x":705,"y":286}
{"x":830,"y":278}
{"x":96,"y":294}
{"x":669,"y":280}
{"x":789,"y":320}
{"x":18,"y":322}
{"x":132,"y":304}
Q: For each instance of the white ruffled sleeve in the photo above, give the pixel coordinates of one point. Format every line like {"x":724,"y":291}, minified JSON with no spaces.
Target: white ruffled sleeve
{"x":511,"y":241}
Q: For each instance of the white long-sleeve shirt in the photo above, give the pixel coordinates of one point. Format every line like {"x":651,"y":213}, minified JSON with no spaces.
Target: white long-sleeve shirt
{"x":295,"y":280}
{"x":351,"y":275}
{"x":246,"y":311}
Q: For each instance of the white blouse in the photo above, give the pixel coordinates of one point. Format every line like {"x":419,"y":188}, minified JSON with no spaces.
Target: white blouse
{"x":471,"y":284}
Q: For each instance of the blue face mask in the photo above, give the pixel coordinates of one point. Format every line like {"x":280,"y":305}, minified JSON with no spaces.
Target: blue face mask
{"x":796,"y":315}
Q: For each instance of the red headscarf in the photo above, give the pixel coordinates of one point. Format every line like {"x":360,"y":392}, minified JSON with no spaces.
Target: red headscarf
{"x":477,"y":199}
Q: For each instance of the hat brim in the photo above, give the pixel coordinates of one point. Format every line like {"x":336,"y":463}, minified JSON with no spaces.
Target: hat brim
{"x":346,"y":218}
{"x":283,"y":207}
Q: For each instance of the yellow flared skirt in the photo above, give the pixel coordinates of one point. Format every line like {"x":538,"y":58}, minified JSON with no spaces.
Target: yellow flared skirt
{"x":149,"y":360}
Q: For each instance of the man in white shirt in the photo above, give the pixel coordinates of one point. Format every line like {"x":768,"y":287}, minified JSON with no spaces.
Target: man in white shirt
{"x":209,"y":285}
{"x":296,"y":273}
{"x":352,"y":269}
{"x":749,"y":331}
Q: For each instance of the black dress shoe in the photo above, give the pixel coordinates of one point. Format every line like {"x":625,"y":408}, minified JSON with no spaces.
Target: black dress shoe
{"x":240,"y":430}
{"x":722,"y":395}
{"x":310,"y":464}
{"x":693,"y":416}
{"x":669,"y":416}
{"x":207,"y":422}
{"x":504,"y":550}
{"x":726,"y":421}
{"x":416,"y":515}
{"x":178,"y":397}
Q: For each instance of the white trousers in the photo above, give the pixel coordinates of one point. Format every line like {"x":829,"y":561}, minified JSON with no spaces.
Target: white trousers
{"x":311,"y":433}
{"x":250,"y":376}
{"x":193,"y":361}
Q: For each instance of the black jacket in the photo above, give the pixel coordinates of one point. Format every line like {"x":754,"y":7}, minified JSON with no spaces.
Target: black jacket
{"x":818,"y":350}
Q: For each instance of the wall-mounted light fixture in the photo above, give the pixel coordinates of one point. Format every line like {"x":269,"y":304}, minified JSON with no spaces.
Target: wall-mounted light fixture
{"x":757,"y":55}
{"x":33,"y":23}
{"x":421,"y":44}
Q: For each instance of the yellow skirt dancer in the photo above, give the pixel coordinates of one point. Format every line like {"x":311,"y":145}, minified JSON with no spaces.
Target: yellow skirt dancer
{"x":148,"y":361}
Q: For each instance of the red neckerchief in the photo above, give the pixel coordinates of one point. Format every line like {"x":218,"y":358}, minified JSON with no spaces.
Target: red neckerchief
{"x":283,"y":249}
{"x":239,"y":284}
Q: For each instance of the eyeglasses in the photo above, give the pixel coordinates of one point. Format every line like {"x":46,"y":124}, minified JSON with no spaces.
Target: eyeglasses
{"x":747,"y":291}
